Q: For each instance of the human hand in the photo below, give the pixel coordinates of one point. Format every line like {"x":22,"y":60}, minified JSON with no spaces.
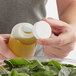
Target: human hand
{"x":62,"y":40}
{"x":5,"y":52}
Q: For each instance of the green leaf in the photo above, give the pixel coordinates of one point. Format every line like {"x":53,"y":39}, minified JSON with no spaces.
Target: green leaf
{"x":4,"y":72}
{"x":55,"y":69}
{"x":19,"y":62}
{"x":23,"y":67}
{"x":22,"y":70}
{"x":45,"y":63}
{"x":9,"y":65}
{"x":55,"y":63}
{"x":69,"y":65}
{"x":73,"y":72}
{"x":15,"y":73}
{"x":15,"y":63}
{"x":36,"y":65}
{"x":44,"y":73}
{"x":2,"y":67}
{"x":65,"y":71}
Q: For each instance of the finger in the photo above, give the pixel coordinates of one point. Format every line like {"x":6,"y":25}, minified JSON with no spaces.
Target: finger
{"x":5,"y":51}
{"x":58,"y":40}
{"x":6,"y":40}
{"x":53,"y":40}
{"x":56,"y":25}
{"x":66,"y":38}
{"x":69,"y":47}
{"x":5,"y":37}
{"x":50,"y":55}
{"x":54,"y":22}
{"x":48,"y":41}
{"x":2,"y":57}
{"x":9,"y":54}
{"x":56,"y":52}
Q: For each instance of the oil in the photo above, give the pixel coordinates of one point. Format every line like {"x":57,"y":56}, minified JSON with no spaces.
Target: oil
{"x":23,"y":40}
{"x":23,"y":47}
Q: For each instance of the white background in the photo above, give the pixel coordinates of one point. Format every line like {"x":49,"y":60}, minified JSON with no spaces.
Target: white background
{"x":51,"y":9}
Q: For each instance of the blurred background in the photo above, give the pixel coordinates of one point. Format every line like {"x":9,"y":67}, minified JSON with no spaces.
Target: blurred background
{"x":51,"y":9}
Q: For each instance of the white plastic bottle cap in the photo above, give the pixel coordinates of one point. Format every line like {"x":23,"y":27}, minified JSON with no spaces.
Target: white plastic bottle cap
{"x":41,"y":30}
{"x":20,"y":30}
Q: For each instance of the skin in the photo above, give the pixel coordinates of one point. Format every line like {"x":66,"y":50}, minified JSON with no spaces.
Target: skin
{"x":63,"y":37}
{"x":5,"y":52}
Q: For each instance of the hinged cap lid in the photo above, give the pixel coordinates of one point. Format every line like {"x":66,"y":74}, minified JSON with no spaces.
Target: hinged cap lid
{"x":41,"y":30}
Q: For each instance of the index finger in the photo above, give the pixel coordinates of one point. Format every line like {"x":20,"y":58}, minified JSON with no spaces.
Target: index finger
{"x":53,"y":40}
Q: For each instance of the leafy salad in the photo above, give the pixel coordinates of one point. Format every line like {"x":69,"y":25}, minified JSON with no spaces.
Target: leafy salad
{"x":23,"y":67}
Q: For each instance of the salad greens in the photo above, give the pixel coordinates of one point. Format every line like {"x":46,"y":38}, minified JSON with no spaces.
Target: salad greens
{"x":23,"y":67}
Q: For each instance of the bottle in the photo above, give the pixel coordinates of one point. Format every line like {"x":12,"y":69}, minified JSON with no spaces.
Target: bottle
{"x":23,"y":39}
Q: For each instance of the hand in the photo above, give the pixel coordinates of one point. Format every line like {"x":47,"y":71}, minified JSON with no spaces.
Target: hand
{"x":5,"y":52}
{"x":62,"y":40}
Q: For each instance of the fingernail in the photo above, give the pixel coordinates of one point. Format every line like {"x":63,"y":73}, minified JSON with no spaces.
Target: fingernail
{"x":49,"y":18}
{"x":44,"y":19}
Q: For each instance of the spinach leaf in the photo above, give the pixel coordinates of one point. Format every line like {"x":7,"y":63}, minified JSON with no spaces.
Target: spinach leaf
{"x":4,"y":74}
{"x":55,"y":63}
{"x":36,"y":65}
{"x":22,"y":70}
{"x":15,"y":73}
{"x":69,"y":65}
{"x":8,"y":65}
{"x":73,"y":72}
{"x":2,"y":71}
{"x":19,"y":62}
{"x":44,"y":73}
{"x":45,"y":63}
{"x":55,"y":69}
{"x":23,"y":67}
{"x":2,"y":67}
{"x":15,"y":63}
{"x":65,"y":71}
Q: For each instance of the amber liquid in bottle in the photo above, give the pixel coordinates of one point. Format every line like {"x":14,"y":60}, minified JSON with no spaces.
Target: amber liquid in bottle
{"x":23,"y":47}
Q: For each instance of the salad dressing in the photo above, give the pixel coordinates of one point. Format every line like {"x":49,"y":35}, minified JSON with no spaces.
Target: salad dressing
{"x":23,"y":40}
